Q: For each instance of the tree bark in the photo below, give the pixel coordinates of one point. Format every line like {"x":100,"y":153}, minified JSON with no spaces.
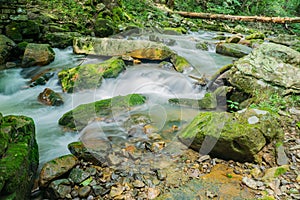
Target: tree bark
{"x":280,"y":20}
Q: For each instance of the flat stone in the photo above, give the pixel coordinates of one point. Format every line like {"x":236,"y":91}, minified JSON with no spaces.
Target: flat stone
{"x":84,"y":191}
{"x":282,"y":158}
{"x":78,"y":175}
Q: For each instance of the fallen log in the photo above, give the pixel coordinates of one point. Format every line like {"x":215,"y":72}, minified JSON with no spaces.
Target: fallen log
{"x":280,"y":20}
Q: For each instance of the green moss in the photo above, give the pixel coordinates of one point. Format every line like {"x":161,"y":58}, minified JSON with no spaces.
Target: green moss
{"x":279,"y":171}
{"x":180,"y":63}
{"x":80,"y":116}
{"x":90,"y":76}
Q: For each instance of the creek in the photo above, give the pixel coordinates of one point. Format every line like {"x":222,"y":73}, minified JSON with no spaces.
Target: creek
{"x":158,"y":84}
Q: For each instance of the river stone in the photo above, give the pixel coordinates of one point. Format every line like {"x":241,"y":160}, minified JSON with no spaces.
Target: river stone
{"x":292,"y":41}
{"x":209,"y":101}
{"x":83,"y":114}
{"x":50,"y":98}
{"x":56,"y":168}
{"x":84,"y":191}
{"x":59,"y":188}
{"x":267,"y":66}
{"x":234,"y":50}
{"x":90,"y":76}
{"x":229,"y":135}
{"x":180,"y":63}
{"x":37,"y":54}
{"x":19,"y":156}
{"x":19,"y":31}
{"x":111,"y":46}
{"x":78,"y":175}
{"x":6,"y":46}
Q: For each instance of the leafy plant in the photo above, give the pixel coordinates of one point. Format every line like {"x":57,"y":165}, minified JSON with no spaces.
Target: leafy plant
{"x":232,"y":105}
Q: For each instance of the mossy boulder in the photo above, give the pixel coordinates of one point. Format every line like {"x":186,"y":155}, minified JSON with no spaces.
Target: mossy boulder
{"x":50,"y":98}
{"x":79,"y":117}
{"x":292,"y":41}
{"x":104,"y":27}
{"x":6,"y":47}
{"x":19,"y":157}
{"x":19,"y":31}
{"x":232,"y":49}
{"x":256,"y":35}
{"x":233,"y":136}
{"x":161,"y":53}
{"x":60,"y":39}
{"x":180,"y":63}
{"x":55,"y":168}
{"x":37,"y":54}
{"x":270,"y":66}
{"x":90,"y":76}
{"x":209,"y":101}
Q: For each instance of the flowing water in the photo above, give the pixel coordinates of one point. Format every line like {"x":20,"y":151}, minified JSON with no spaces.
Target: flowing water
{"x":156,"y":83}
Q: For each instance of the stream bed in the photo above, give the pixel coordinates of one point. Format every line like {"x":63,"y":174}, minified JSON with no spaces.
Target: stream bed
{"x":156,"y":83}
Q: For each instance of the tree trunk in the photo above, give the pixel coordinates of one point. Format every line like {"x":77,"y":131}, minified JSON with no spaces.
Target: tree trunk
{"x":280,"y":20}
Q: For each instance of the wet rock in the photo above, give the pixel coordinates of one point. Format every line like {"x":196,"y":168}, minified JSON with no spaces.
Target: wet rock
{"x":234,"y":39}
{"x":116,"y":191}
{"x":180,"y":63}
{"x":83,"y":114}
{"x":41,"y":79}
{"x":138,"y":184}
{"x":267,"y":66}
{"x":50,"y":98}
{"x":282,"y":158}
{"x":90,"y":76}
{"x":230,"y":135}
{"x":94,"y":151}
{"x":78,"y":175}
{"x":84,"y":191}
{"x":37,"y":54}
{"x":19,"y":156}
{"x":114,"y":159}
{"x":256,"y":35}
{"x":209,"y":101}
{"x":153,"y":193}
{"x":202,"y":45}
{"x":56,"y":168}
{"x":234,"y":50}
{"x":59,"y":188}
{"x":6,"y":47}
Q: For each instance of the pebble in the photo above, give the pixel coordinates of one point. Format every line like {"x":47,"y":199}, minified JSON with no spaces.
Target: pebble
{"x":250,"y":182}
{"x":84,"y":191}
{"x":138,"y":184}
{"x":153,"y":193}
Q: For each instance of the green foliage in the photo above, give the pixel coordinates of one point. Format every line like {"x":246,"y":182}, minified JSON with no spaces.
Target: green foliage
{"x":279,"y":171}
{"x":298,"y":124}
{"x":232,"y":105}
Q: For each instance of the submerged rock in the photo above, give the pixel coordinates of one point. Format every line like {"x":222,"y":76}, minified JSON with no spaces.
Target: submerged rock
{"x":270,"y":66}
{"x":6,"y":46}
{"x":80,"y":116}
{"x":233,"y":136}
{"x":37,"y":54}
{"x":50,"y":98}
{"x":90,"y":76}
{"x":19,"y":157}
{"x":234,"y":50}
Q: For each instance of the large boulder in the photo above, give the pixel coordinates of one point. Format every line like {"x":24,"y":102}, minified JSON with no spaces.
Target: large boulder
{"x":232,"y":49}
{"x":238,"y":136}
{"x":270,"y":66}
{"x":6,"y":46}
{"x":79,"y":117}
{"x":19,"y":157}
{"x":140,"y":49}
{"x":292,"y":41}
{"x":37,"y":54}
{"x":90,"y":76}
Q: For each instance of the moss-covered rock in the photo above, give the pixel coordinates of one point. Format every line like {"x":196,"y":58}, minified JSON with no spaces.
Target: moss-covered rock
{"x":234,"y":50}
{"x":55,"y":168}
{"x":104,"y":27}
{"x":37,"y":54}
{"x":60,"y":39}
{"x":90,"y":76}
{"x":6,"y":46}
{"x":79,"y":117}
{"x":180,"y":63}
{"x":270,"y":66}
{"x":19,"y":31}
{"x":209,"y":101}
{"x":19,"y":157}
{"x":256,"y":35}
{"x":50,"y":98}
{"x":162,"y":53}
{"x":237,"y":136}
{"x":292,"y":41}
